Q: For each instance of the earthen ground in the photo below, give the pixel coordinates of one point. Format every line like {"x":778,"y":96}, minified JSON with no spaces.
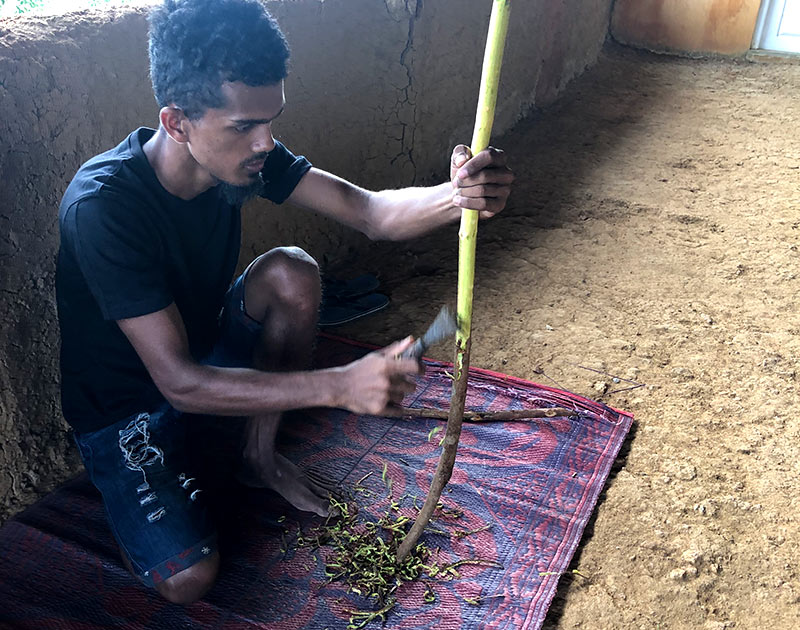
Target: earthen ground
{"x":653,"y":236}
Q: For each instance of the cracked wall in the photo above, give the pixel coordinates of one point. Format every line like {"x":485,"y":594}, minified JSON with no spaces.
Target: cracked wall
{"x":379,"y":92}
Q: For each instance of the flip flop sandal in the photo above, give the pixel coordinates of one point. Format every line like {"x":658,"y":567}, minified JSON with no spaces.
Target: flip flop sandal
{"x":334,"y":312}
{"x":345,"y":289}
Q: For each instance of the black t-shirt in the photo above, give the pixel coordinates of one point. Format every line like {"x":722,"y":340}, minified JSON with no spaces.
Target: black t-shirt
{"x":129,"y":248}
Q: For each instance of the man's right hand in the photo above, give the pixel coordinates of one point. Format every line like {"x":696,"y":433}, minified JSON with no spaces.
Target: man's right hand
{"x":380,"y":379}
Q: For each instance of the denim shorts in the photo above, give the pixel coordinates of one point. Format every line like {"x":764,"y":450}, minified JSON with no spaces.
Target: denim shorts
{"x":154,"y":497}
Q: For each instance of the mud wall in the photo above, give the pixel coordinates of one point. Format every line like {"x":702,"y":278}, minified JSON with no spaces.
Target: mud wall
{"x":716,"y":26}
{"x":378,"y":93}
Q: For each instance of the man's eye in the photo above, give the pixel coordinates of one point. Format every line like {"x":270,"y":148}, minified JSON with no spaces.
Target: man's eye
{"x":241,"y":128}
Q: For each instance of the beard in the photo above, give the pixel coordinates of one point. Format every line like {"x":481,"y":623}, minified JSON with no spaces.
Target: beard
{"x":238,"y":195}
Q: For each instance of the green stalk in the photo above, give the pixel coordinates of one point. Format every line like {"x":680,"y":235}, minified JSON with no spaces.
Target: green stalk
{"x":467,"y":234}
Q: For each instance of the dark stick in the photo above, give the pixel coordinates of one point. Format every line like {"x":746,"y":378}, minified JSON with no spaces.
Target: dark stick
{"x":485,"y":416}
{"x":447,"y":460}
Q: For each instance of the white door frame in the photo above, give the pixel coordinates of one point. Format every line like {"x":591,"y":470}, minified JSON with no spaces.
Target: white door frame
{"x":766,"y":18}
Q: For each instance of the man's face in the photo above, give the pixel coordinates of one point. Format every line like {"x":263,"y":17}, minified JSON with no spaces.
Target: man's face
{"x":232,"y":142}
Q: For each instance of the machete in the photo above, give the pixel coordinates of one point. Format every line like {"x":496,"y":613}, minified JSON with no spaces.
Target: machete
{"x":444,"y":326}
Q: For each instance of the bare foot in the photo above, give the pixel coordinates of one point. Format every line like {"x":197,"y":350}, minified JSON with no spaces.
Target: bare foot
{"x":291,"y":483}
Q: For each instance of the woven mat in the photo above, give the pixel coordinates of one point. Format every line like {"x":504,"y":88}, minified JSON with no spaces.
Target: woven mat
{"x":534,"y":482}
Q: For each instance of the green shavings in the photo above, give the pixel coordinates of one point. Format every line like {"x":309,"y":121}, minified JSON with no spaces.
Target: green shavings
{"x":363,"y":555}
{"x":360,"y":552}
{"x":477,"y":601}
{"x":449,"y":570}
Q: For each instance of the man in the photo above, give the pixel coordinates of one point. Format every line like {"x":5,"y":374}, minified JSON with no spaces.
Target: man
{"x":152,"y":329}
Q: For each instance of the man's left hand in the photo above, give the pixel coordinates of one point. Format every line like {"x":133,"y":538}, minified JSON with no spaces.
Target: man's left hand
{"x":482,"y":182}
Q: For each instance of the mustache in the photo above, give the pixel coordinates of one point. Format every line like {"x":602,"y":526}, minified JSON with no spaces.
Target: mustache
{"x":255,"y":159}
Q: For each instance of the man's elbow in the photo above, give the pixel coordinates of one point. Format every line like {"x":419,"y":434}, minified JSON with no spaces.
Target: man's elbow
{"x":182,"y":392}
{"x":386,"y":231}
{"x":381,"y":227}
{"x":182,"y":403}
{"x":377,"y":218}
{"x":374,"y":231}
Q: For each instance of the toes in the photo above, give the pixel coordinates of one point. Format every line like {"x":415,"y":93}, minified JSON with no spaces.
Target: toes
{"x":321,"y":496}
{"x":314,"y":504}
{"x":323,"y":511}
{"x":307,"y":491}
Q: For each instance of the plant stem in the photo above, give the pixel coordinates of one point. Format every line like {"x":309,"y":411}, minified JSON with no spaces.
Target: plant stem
{"x":487,"y":98}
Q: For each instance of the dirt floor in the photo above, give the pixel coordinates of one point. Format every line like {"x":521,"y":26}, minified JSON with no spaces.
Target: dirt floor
{"x":653,"y":235}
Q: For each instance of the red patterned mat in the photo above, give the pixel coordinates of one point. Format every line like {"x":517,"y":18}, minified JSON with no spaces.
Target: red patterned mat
{"x":534,"y":482}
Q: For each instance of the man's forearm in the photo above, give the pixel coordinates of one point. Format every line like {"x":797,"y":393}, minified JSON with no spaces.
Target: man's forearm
{"x":208,"y":389}
{"x":482,"y":183}
{"x":410,"y":212}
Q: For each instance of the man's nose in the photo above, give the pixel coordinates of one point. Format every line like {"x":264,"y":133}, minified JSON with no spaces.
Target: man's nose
{"x":264,"y":142}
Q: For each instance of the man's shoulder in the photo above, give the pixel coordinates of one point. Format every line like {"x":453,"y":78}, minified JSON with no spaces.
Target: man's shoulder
{"x":282,"y":171}
{"x":121,"y":173}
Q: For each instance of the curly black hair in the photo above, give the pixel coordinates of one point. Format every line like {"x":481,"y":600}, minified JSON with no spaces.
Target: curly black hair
{"x":197,"y":45}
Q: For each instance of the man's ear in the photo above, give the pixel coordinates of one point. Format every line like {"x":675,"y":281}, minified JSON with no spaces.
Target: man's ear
{"x":175,"y":122}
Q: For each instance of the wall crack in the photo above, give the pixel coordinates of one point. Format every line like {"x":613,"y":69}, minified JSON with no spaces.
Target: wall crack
{"x":411,"y":10}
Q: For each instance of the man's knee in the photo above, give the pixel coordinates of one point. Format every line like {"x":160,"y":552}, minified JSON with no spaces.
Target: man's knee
{"x":191,"y":584}
{"x":284,"y":276}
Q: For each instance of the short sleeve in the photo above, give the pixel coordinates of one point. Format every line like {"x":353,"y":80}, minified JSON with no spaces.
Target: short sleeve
{"x":120,"y":259}
{"x":282,"y":171}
